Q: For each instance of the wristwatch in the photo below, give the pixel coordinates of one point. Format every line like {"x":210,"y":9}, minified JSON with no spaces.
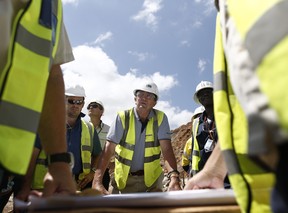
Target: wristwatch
{"x":66,"y":157}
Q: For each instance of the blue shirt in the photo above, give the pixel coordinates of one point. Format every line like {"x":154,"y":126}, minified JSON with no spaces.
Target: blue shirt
{"x":116,"y":132}
{"x":73,"y":136}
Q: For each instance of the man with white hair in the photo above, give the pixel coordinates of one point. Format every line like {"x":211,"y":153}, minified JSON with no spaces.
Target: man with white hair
{"x":137,"y":136}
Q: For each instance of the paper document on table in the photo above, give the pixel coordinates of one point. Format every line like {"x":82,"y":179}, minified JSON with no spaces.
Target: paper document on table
{"x":146,"y":200}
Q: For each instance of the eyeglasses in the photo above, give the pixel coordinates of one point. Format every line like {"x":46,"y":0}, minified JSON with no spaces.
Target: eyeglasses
{"x":77,"y":102}
{"x":146,"y":95}
{"x":94,"y":105}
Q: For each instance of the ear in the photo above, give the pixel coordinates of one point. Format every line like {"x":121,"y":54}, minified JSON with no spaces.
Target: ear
{"x":83,"y":104}
{"x":135,"y":99}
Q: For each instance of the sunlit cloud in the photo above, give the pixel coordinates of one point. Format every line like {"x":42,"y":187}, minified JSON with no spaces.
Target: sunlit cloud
{"x":139,"y":56}
{"x":197,"y":24}
{"x":99,"y":75}
{"x":148,"y":13}
{"x":208,"y":6}
{"x":103,"y":37}
{"x":202,"y":65}
{"x":74,"y":2}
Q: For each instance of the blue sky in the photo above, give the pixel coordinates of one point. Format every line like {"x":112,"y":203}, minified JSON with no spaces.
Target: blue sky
{"x":118,"y":44}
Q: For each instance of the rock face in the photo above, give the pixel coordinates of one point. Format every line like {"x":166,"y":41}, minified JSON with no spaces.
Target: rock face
{"x":179,"y":138}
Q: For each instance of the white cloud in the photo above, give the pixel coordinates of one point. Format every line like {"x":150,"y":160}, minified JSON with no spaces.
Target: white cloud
{"x":202,"y":64}
{"x":148,"y":13}
{"x":185,"y":43}
{"x":103,"y":37}
{"x":99,"y":75}
{"x":74,"y":2}
{"x":197,"y":24}
{"x":208,"y":6}
{"x":140,"y":56}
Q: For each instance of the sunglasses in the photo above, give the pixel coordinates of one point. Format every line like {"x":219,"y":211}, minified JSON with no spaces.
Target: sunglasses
{"x":94,"y":106}
{"x":146,"y":95}
{"x":78,"y":102}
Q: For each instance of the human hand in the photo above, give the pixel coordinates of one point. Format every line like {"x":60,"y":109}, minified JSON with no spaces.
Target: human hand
{"x":87,"y":179}
{"x":59,"y":180}
{"x":174,"y":184}
{"x":204,"y":180}
{"x":23,"y":194}
{"x":99,"y":187}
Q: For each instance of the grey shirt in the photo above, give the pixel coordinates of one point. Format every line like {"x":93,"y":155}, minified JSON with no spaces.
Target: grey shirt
{"x":116,"y":132}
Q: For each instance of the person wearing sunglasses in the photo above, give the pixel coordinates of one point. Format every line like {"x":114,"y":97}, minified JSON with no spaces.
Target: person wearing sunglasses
{"x":136,"y":137}
{"x":82,"y":141}
{"x":95,"y":112}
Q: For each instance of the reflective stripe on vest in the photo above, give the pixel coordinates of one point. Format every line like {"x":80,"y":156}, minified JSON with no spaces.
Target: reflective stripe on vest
{"x":195,"y":148}
{"x":40,"y":171}
{"x":260,"y":41}
{"x":250,"y":180}
{"x":23,"y":81}
{"x":124,"y":151}
{"x":86,"y":147}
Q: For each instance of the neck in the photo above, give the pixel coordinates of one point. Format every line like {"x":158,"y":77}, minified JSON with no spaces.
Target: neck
{"x":71,"y":121}
{"x":143,"y":114}
{"x":210,"y":112}
{"x":95,"y":121}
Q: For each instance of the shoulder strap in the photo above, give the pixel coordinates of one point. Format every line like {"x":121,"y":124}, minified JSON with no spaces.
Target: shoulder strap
{"x":126,"y":127}
{"x":194,"y":129}
{"x":90,"y":127}
{"x":155,"y":128}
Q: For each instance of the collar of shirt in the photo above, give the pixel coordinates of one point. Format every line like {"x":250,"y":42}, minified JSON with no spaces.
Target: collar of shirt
{"x":151,"y":114}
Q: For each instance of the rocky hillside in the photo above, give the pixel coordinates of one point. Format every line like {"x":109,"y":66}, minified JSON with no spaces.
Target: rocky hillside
{"x":179,"y":138}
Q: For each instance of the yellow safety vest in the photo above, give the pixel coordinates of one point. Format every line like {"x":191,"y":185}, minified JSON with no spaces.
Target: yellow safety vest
{"x":86,"y":147}
{"x":125,"y":149}
{"x":260,"y":41}
{"x":86,"y":150}
{"x":24,"y":78}
{"x":186,"y":156}
{"x":250,"y":181}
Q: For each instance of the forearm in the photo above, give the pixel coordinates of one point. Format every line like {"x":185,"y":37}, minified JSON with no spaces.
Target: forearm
{"x":168,"y":154}
{"x":94,"y":161}
{"x":216,"y":163}
{"x":53,"y":114}
{"x":104,"y":161}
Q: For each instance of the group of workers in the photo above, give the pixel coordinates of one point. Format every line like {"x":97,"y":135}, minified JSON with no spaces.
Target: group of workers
{"x":247,"y":102}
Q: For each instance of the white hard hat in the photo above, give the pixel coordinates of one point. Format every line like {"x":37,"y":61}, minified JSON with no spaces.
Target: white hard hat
{"x":75,"y":90}
{"x":200,"y":86}
{"x":198,"y":111}
{"x":97,"y":102}
{"x":148,"y":87}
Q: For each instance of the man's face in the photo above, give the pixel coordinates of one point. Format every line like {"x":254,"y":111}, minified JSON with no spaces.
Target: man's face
{"x":74,"y":105}
{"x":145,"y":100}
{"x":205,"y":97}
{"x":95,"y":109}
